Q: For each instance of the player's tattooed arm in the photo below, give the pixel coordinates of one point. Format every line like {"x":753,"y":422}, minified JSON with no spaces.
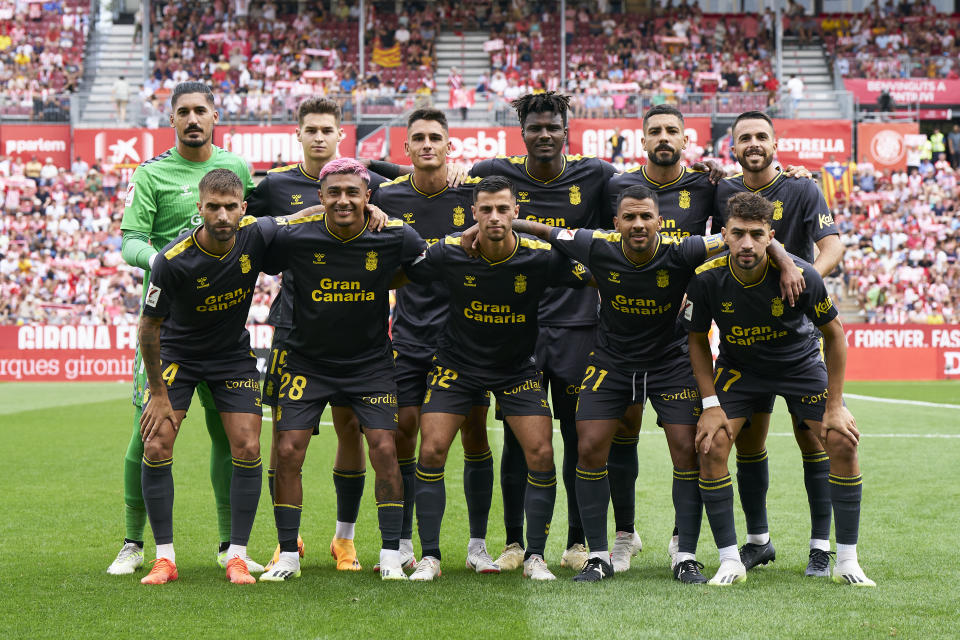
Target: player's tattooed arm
{"x":158,"y":409}
{"x":792,"y":283}
{"x":714,"y":168}
{"x":308,"y":211}
{"x":830,"y":254}
{"x":377,"y":218}
{"x":533,"y":228}
{"x":457,"y":172}
{"x":713,"y":418}
{"x":836,"y":417}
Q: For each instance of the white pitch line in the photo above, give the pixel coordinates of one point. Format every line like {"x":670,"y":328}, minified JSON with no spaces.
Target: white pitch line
{"x":914,"y":403}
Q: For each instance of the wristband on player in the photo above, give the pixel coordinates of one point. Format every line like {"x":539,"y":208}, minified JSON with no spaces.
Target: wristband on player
{"x":150,"y":261}
{"x":710,"y":402}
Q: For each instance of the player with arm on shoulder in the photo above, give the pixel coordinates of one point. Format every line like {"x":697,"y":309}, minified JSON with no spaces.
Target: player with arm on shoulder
{"x":338,"y":350}
{"x":160,"y":205}
{"x":801,"y":219}
{"x":294,"y":190}
{"x":768,"y":348}
{"x":193,"y":331}
{"x":487,"y":344}
{"x":426,"y":202}
{"x":642,"y":274}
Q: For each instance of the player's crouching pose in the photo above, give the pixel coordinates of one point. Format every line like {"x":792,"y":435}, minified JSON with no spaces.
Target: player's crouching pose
{"x":200,"y":291}
{"x":339,"y":350}
{"x":487,"y":343}
{"x":768,"y":348}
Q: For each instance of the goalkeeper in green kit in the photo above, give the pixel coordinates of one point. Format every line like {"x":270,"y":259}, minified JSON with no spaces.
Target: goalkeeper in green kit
{"x":161,"y":203}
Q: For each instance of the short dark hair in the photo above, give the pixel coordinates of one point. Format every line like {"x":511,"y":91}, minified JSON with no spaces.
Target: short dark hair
{"x":184,"y":88}
{"x":637,"y":192}
{"x":318,"y":105}
{"x":428,"y":114}
{"x":662,"y":110}
{"x":221,"y":181}
{"x":751,"y":115}
{"x":494,"y":184}
{"x":547,"y":102}
{"x":751,"y":207}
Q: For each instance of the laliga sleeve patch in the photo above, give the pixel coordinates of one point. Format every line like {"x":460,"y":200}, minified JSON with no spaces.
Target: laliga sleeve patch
{"x":422,"y":256}
{"x":130,"y":190}
{"x":153,"y":295}
{"x":566,"y":234}
{"x":688,"y":311}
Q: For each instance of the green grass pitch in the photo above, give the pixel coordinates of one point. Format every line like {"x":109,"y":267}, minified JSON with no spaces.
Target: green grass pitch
{"x":62,"y":524}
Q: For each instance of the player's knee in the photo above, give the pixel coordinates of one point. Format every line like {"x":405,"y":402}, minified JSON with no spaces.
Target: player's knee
{"x":289,"y":455}
{"x":540,"y":457}
{"x":246,"y":449}
{"x":157,"y":450}
{"x":684,"y":454}
{"x":840,"y":448}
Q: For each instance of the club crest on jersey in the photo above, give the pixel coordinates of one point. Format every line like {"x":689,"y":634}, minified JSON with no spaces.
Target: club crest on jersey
{"x":726,"y":307}
{"x":574,"y":194}
{"x":777,"y":210}
{"x":185,"y":190}
{"x":319,"y":258}
{"x":458,"y":216}
{"x":202,"y":282}
{"x":776,"y":307}
{"x":523,"y":196}
{"x":614,"y":277}
{"x":245,"y":263}
{"x":684,"y":201}
{"x":663,"y":278}
{"x":371,"y":262}
{"x":296,"y":199}
{"x":408,"y":218}
{"x":520,"y":284}
{"x":469,"y":280}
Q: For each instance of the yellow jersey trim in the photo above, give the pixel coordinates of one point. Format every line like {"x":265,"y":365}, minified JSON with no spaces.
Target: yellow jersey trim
{"x":246,"y":221}
{"x":424,"y":193}
{"x":769,"y":184}
{"x":613,"y":236}
{"x":310,"y":218}
{"x":562,"y":169}
{"x":307,"y":175}
{"x":660,"y":241}
{"x":516,"y":247}
{"x":212,"y":255}
{"x":345,"y":241}
{"x":766,"y":268}
{"x":530,"y":243}
{"x":397,"y":180}
{"x":455,"y":241}
{"x":286,"y":167}
{"x":179,"y":248}
{"x":659,"y":185}
{"x":712,"y":264}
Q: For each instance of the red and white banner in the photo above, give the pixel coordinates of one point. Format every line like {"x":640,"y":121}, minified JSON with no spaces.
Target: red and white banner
{"x":812,"y":143}
{"x":258,"y":145}
{"x":591,"y":137}
{"x":467,"y":144}
{"x":906,"y":90}
{"x":902,"y":352}
{"x":373,"y":146}
{"x":40,"y":140}
{"x":884,"y":144}
{"x":89,"y":353}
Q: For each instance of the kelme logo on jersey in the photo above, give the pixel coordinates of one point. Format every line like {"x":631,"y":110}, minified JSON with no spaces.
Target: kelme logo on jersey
{"x":663,"y":278}
{"x":371,"y":262}
{"x":776,"y":307}
{"x":826,"y":220}
{"x":614,"y":277}
{"x":822,"y":307}
{"x":296,"y":199}
{"x":202,"y":282}
{"x":523,"y":196}
{"x":319,"y":258}
{"x":520,"y":284}
{"x":684,"y":200}
{"x":777,"y":210}
{"x":408,"y":218}
{"x":469,"y":281}
{"x":726,"y":307}
{"x":574,"y":194}
{"x":458,"y":216}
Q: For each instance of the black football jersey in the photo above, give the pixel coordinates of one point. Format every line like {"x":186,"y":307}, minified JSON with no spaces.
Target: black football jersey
{"x":204,"y":298}
{"x":684,"y":204}
{"x":421,"y":309}
{"x":493,"y":306}
{"x":800,"y":214}
{"x":574,"y":199}
{"x":341,"y":302}
{"x":759,"y":331}
{"x":639,"y":303}
{"x":283,"y":191}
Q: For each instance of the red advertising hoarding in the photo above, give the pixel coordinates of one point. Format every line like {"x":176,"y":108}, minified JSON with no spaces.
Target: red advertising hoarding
{"x":41,"y":140}
{"x":81,"y":353}
{"x":902,"y":352}
{"x":905,"y":90}
{"x":591,"y":136}
{"x":811,"y":143}
{"x":884,"y":144}
{"x":467,"y":144}
{"x":259,"y":145}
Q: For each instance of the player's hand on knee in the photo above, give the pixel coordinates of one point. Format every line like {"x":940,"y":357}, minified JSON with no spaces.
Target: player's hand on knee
{"x":840,"y":419}
{"x":457,"y":174}
{"x":792,"y":285}
{"x":155,"y":413}
{"x":711,"y":422}
{"x":377,"y":218}
{"x":470,"y":241}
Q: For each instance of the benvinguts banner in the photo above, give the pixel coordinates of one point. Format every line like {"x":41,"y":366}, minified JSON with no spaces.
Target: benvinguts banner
{"x":48,"y":353}
{"x":905,"y":91}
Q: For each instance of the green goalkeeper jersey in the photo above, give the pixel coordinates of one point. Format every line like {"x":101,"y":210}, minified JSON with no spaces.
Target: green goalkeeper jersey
{"x":162,"y":196}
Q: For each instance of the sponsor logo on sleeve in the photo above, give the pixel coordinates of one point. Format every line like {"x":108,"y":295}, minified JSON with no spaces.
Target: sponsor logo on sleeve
{"x":566,"y":234}
{"x":130,"y":189}
{"x":153,"y":295}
